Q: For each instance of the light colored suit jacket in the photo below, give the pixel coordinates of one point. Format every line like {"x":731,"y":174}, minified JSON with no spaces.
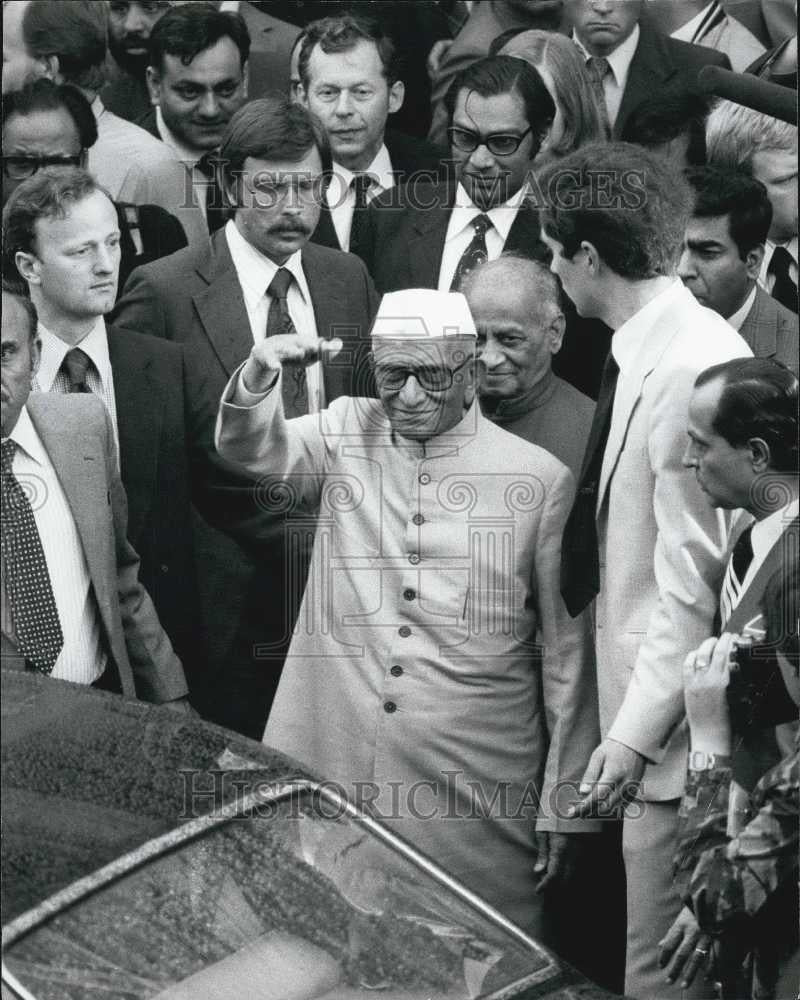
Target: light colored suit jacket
{"x":662,"y":545}
{"x":771,"y":330}
{"x":77,"y":435}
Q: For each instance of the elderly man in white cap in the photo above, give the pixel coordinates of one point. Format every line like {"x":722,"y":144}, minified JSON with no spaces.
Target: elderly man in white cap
{"x":435,"y":673}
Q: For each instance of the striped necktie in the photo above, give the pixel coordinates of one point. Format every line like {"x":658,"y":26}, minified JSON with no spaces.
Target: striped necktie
{"x":736,"y":571}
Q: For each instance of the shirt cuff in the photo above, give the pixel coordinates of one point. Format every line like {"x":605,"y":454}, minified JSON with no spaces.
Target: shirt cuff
{"x":241,"y":395}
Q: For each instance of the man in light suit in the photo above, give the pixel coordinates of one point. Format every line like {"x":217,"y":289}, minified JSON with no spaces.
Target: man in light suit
{"x":72,"y":603}
{"x":723,"y":252}
{"x":640,"y":537}
{"x":215,"y":301}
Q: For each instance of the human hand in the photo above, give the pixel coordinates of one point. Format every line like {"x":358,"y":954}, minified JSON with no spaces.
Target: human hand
{"x":685,"y":948}
{"x":267,"y":357}
{"x":610,"y":779}
{"x":555,"y":858}
{"x":706,"y":673}
{"x":436,"y":55}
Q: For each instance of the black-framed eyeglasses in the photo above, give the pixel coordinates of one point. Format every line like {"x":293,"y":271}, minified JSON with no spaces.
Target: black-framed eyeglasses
{"x":498,"y":144}
{"x":19,"y":168}
{"x":432,"y":378}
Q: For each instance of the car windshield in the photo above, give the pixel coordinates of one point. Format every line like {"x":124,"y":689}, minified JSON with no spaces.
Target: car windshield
{"x":298,"y":899}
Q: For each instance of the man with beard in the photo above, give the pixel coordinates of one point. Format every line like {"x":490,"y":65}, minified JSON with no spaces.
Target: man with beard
{"x":129,"y":25}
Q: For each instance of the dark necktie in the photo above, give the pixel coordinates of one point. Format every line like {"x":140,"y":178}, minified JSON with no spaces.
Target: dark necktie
{"x":475,"y":254}
{"x":293,"y":378}
{"x":580,"y":558}
{"x":598,"y":67}
{"x":216,"y":212}
{"x":27,"y":580}
{"x":784,"y":289}
{"x":75,"y":366}
{"x":360,"y":184}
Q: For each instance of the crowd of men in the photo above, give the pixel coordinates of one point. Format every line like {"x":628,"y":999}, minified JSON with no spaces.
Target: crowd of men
{"x":414,"y":386}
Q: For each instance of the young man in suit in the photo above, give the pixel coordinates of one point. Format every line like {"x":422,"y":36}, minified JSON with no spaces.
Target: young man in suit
{"x":258,"y":276}
{"x":349,"y":76}
{"x":628,"y":59}
{"x":640,"y":536}
{"x":72,"y":604}
{"x":62,"y":231}
{"x":723,"y":250}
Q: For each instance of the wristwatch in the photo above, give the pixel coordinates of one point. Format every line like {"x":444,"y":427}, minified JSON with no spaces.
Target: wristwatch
{"x":699,"y":760}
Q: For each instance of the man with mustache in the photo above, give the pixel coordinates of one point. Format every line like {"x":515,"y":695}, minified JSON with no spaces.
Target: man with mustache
{"x":256,"y":277}
{"x":129,"y":25}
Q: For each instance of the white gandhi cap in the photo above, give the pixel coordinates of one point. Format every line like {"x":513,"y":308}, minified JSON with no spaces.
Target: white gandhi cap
{"x":423,"y":314}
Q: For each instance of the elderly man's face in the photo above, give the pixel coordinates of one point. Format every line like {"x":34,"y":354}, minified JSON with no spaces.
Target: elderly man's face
{"x":40,"y":135}
{"x":20,"y":358}
{"x":425,"y":385}
{"x":517,"y":335}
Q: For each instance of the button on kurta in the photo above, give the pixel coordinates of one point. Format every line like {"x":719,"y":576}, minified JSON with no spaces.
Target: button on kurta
{"x":404,"y":631}
{"x":389,"y":706}
{"x":396,"y":671}
{"x":413,"y":558}
{"x":418,"y":519}
{"x":409,"y":594}
{"x":424,"y":478}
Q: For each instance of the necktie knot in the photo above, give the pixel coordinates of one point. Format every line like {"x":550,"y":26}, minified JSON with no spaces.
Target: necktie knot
{"x":481,"y":224}
{"x":780,"y":262}
{"x":8,"y":449}
{"x":742,"y":554}
{"x":76,"y":365}
{"x":597,"y":67}
{"x":361,"y":183}
{"x":208,"y":163}
{"x":279,"y":286}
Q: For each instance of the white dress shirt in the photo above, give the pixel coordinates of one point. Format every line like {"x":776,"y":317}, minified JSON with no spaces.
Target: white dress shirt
{"x":460,"y":231}
{"x":82,"y":658}
{"x":100,"y":379}
{"x":341,"y":198}
{"x":768,"y":280}
{"x":189,"y":158}
{"x":619,"y":62}
{"x":255,"y":272}
{"x":743,"y":311}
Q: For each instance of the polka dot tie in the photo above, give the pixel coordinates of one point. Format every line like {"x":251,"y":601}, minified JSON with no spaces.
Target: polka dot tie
{"x":27,"y":580}
{"x":475,"y":254}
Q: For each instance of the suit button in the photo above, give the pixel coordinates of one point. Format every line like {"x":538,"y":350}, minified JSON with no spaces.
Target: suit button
{"x":404,"y":631}
{"x":418,"y":519}
{"x":389,"y":706}
{"x":409,"y":594}
{"x":164,"y":568}
{"x":414,"y":558}
{"x":396,"y":671}
{"x":424,"y":478}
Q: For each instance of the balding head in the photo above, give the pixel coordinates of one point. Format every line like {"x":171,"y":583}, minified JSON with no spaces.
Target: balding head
{"x":515,"y":303}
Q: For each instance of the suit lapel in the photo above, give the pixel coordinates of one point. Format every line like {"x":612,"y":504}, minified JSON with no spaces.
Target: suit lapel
{"x":650,"y":68}
{"x":748,"y":610}
{"x":329,"y":302}
{"x":325,"y":233}
{"x":524,"y":236}
{"x":220,"y":307}
{"x":426,"y":239}
{"x":759,"y":329}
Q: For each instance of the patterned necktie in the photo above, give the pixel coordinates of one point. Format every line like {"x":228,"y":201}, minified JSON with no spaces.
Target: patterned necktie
{"x":75,"y":366}
{"x":580,"y":557}
{"x":216,"y":212}
{"x":476,"y":252}
{"x":27,"y":580}
{"x":293,"y":378}
{"x":784,"y":290}
{"x":736,"y":571}
{"x":361,"y":183}
{"x":598,"y":68}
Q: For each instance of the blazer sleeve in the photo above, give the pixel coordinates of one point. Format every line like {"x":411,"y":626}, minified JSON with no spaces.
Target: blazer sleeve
{"x":158,"y":674}
{"x":140,"y":307}
{"x":569,"y":683}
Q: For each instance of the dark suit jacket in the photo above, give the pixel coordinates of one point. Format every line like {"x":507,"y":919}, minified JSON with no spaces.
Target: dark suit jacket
{"x":149,"y":381}
{"x":76,"y":432}
{"x":405,"y":242}
{"x":248,"y":588}
{"x":661,"y":62}
{"x":771,"y":330}
{"x":147,"y":233}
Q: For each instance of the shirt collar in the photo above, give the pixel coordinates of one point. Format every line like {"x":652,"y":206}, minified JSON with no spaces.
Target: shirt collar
{"x":186,"y":155}
{"x":686,"y":32}
{"x":380,"y":170}
{"x":767,"y":532}
{"x":502,"y":216}
{"x":742,"y":312}
{"x":25,"y":437}
{"x":627,"y":342}
{"x":255,"y":271}
{"x":620,"y":59}
{"x":54,"y":350}
{"x":503,"y":410}
{"x":98,"y":108}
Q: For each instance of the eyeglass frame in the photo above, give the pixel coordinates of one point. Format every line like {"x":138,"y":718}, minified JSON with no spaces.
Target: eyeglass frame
{"x":486,"y":140}
{"x":40,"y":163}
{"x":451,"y":374}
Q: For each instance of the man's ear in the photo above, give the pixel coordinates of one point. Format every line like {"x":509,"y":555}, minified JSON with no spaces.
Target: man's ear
{"x":154,"y":85}
{"x":753,"y":261}
{"x":246,"y":79}
{"x":555,"y":334}
{"x":593,"y":261}
{"x":397,"y":93}
{"x":759,"y":454}
{"x":36,"y":355}
{"x":28,"y":266}
{"x":51,"y":68}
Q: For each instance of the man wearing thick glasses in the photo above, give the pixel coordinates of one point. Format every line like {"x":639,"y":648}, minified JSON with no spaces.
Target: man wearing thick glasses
{"x":434,"y":672}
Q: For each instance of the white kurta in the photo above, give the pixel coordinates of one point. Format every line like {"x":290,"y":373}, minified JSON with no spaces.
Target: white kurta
{"x":414,"y":678}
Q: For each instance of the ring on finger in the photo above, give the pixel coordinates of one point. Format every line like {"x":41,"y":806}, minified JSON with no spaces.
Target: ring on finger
{"x":701,"y":951}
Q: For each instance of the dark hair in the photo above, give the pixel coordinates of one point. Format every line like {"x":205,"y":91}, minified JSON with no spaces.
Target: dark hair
{"x":668,"y":115}
{"x":75,"y":32}
{"x":191,"y":28}
{"x":506,"y":75}
{"x":19,"y":289}
{"x":736,"y":194}
{"x":271,"y":128}
{"x":343,"y":33}
{"x":47,"y":195}
{"x":632,"y":207}
{"x":759,"y":400}
{"x":45,"y":95}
